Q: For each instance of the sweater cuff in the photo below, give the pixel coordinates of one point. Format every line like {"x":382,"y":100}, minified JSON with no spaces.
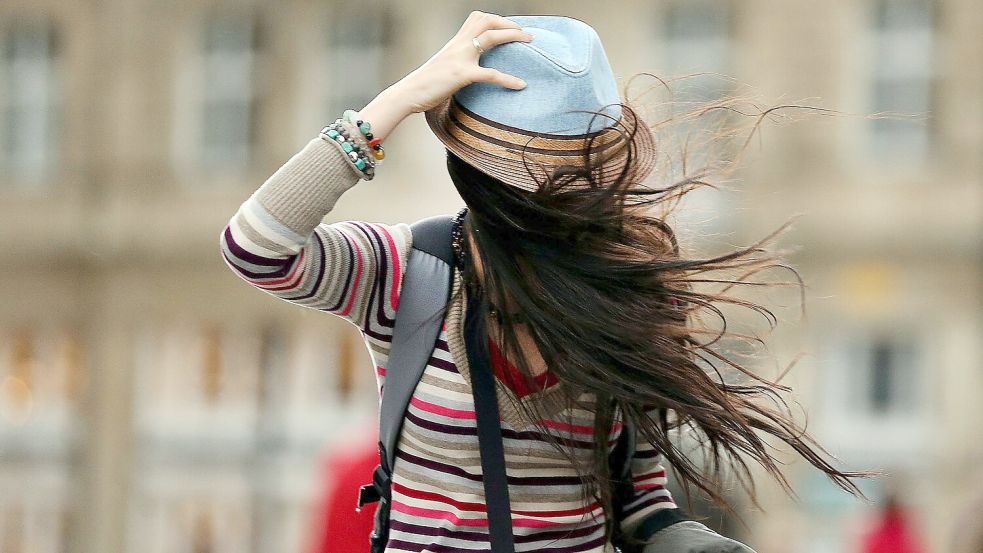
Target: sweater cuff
{"x":305,"y":189}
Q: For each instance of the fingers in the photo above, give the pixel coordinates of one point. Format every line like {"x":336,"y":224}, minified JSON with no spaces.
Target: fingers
{"x":494,"y":76}
{"x":481,"y":21}
{"x":492,"y":30}
{"x":493,"y":37}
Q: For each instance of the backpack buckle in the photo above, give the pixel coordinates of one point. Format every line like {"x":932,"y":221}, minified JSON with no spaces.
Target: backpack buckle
{"x":370,"y":493}
{"x":367,"y":494}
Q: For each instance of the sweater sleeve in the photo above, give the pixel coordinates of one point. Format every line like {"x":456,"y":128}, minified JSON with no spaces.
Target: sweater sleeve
{"x":650,"y":480}
{"x":276,"y":242}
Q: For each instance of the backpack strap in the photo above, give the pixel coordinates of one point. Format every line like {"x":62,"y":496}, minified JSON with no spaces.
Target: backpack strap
{"x":493,"y":474}
{"x":424,"y":296}
{"x":425,"y":292}
{"x":624,"y":490}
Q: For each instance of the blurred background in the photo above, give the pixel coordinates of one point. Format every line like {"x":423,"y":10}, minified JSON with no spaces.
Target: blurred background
{"x":151,"y":401}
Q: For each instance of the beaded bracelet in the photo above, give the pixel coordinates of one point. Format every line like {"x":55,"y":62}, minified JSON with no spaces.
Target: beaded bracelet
{"x":342,"y":135}
{"x":365,"y":128}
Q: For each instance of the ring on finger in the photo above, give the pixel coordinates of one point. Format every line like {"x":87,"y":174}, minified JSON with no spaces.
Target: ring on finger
{"x":477,"y":45}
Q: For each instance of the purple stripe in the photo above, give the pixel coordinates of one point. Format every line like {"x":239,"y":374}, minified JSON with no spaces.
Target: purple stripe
{"x":526,"y":435}
{"x":380,"y":274}
{"x":430,"y":548}
{"x":349,"y":276}
{"x":646,"y":454}
{"x":383,"y":274}
{"x":443,"y":532}
{"x":512,"y":480}
{"x":442,"y":428}
{"x":256,"y":277}
{"x":246,"y":255}
{"x":378,"y":335}
{"x":646,"y":502}
{"x":586,"y":546}
{"x":443,"y":364}
{"x":435,"y":548}
{"x":320,"y":269}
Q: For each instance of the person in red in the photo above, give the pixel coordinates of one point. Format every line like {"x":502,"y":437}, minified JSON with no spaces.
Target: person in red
{"x":892,"y":532}
{"x":338,"y":527}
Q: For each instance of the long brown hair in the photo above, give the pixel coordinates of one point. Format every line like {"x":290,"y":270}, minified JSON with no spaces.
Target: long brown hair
{"x":618,"y":311}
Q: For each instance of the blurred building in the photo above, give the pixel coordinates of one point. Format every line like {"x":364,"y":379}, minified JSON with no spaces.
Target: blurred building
{"x":150,"y":401}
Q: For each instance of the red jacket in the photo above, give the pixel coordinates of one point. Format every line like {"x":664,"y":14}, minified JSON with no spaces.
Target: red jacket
{"x":892,"y":534}
{"x":341,"y":529}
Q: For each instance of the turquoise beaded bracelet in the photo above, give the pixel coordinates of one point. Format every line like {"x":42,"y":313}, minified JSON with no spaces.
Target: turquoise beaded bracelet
{"x":357,"y":154}
{"x":365,"y":128}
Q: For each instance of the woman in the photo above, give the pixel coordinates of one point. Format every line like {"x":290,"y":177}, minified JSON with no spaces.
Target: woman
{"x":586,"y":304}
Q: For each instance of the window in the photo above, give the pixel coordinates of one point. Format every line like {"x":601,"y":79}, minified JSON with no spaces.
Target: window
{"x":39,"y":382}
{"x":902,"y":46}
{"x":875,"y":375}
{"x":698,"y":36}
{"x":357,"y":47}
{"x":228,"y":130}
{"x":890,"y":378}
{"x":29,"y":98}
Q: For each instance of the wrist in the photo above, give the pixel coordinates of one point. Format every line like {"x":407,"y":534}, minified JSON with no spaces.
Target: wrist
{"x":385,"y":112}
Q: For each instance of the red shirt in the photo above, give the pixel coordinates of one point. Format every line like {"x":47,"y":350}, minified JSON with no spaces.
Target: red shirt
{"x":510,"y":375}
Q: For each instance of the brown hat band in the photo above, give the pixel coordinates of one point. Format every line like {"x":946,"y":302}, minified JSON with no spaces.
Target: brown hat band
{"x":514,"y":144}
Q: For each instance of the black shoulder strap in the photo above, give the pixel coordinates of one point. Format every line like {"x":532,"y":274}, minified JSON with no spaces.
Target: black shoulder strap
{"x":487,"y":417}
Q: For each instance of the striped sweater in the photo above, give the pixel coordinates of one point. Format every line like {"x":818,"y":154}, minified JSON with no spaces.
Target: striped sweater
{"x":277,"y":242}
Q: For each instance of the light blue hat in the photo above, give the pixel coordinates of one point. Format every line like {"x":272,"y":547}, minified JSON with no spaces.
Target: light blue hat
{"x":569,"y":81}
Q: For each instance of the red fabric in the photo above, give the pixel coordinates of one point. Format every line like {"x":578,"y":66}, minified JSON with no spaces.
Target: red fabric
{"x":892,"y":534}
{"x":344,"y":529}
{"x":510,"y":375}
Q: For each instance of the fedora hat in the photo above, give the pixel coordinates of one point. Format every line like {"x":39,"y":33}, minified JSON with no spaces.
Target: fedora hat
{"x":522,"y":136}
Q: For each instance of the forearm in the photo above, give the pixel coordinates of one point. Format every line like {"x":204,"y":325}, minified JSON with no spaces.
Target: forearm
{"x":271,"y":241}
{"x":692,"y":537}
{"x":387,"y":110}
{"x":277,"y":242}
{"x":306,"y":188}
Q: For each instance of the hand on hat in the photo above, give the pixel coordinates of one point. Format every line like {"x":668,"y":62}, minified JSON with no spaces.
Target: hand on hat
{"x":453,"y":67}
{"x":456,"y":64}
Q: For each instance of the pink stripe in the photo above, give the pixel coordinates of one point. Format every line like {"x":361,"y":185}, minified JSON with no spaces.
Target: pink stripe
{"x":533,"y":523}
{"x":578,"y":428}
{"x":381,"y":371}
{"x":443,"y":411}
{"x":393,"y":296}
{"x":656,"y":474}
{"x":640,"y":487}
{"x":435,"y":514}
{"x":439,"y":515}
{"x":358,"y":276}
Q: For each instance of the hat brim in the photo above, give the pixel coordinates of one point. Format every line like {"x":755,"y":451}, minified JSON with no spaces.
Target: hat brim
{"x":524,"y":171}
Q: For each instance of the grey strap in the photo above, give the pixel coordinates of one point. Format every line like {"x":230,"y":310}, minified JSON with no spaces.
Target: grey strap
{"x":419,"y":317}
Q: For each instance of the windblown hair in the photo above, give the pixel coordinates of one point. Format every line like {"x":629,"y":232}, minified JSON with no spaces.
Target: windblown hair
{"x":615,"y":309}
